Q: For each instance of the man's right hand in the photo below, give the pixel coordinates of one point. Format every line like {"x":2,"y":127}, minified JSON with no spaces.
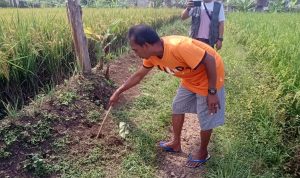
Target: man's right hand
{"x":189,"y":4}
{"x":185,"y":13}
{"x":114,"y":98}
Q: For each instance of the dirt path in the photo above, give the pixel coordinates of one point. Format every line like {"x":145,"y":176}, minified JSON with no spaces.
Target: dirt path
{"x":170,"y":165}
{"x":173,"y":164}
{"x":120,"y":70}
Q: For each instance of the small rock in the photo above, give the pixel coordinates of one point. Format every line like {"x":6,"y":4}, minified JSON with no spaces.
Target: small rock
{"x":173,"y":174}
{"x":97,"y":102}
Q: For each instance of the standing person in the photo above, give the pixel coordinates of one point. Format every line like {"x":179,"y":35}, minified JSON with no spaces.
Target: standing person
{"x":207,"y":21}
{"x":202,"y":86}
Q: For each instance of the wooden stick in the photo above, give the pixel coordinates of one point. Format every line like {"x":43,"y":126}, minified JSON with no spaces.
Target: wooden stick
{"x":103,"y":121}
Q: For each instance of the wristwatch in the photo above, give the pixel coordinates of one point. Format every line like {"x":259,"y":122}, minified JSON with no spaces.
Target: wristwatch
{"x":221,"y":39}
{"x":212,"y":91}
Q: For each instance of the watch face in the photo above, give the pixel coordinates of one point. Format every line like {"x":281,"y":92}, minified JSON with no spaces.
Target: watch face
{"x":212,"y":91}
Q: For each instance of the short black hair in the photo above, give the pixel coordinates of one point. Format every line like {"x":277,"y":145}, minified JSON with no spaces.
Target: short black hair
{"x":142,"y":34}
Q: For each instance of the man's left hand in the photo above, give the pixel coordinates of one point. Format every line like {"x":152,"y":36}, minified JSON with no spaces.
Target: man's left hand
{"x":219,"y":44}
{"x":213,"y":104}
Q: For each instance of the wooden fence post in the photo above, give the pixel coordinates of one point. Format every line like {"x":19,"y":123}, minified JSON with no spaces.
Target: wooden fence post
{"x":74,"y":13}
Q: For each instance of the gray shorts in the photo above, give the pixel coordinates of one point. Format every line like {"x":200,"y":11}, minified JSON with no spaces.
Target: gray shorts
{"x":188,"y":102}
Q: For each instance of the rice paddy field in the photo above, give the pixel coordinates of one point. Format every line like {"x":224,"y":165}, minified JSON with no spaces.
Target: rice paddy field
{"x":36,"y":49}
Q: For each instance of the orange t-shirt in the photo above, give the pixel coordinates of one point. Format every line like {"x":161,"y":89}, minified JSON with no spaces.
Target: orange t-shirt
{"x":182,"y":57}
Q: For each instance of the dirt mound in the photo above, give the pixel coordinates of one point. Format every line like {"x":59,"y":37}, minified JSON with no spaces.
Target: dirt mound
{"x":63,"y":121}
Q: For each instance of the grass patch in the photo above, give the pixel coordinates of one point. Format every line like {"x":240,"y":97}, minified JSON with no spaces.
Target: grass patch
{"x":250,"y":144}
{"x":90,"y":166}
{"x":148,"y":119}
{"x":148,"y":115}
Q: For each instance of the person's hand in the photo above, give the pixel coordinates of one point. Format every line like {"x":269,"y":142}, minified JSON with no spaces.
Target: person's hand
{"x":213,"y":104}
{"x":114,"y":98}
{"x":189,"y":4}
{"x":219,"y":44}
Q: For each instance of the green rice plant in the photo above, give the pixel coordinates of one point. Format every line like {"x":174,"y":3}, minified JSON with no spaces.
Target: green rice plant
{"x":36,"y":46}
{"x":11,"y":110}
{"x":272,"y":41}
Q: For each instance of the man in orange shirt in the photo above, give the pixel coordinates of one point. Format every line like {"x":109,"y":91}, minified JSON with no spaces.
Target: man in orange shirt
{"x":201,"y":91}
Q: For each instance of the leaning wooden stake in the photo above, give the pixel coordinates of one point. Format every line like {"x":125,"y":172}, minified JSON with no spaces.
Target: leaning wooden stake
{"x":103,"y":121}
